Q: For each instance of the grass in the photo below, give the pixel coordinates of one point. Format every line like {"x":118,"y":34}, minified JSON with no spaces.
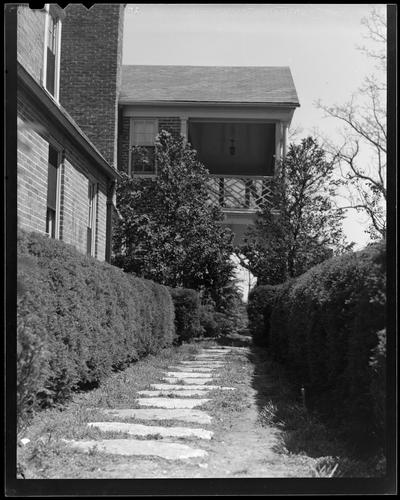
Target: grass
{"x":224,"y":405}
{"x":47,"y":452}
{"x":303,"y":439}
{"x":302,"y":431}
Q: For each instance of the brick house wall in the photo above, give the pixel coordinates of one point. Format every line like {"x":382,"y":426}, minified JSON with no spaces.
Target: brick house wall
{"x":30,"y":40}
{"x":75,"y":170}
{"x":123,"y":143}
{"x":90,"y":71}
{"x":170,"y":124}
{"x":37,"y":128}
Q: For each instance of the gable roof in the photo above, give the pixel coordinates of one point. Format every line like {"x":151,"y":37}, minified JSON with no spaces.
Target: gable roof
{"x":213,"y":84}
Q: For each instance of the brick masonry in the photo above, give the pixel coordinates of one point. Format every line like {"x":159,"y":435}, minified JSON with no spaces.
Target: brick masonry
{"x":75,"y":171}
{"x":30,"y":40}
{"x":123,"y":143}
{"x":170,"y":124}
{"x":90,"y":71}
{"x":90,"y":85}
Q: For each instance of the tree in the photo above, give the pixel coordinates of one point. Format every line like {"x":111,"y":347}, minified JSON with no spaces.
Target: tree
{"x":301,"y":227}
{"x":362,"y":154}
{"x":169,"y":232}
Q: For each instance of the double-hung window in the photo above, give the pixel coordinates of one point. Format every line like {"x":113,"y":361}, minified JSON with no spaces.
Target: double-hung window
{"x":143,"y":133}
{"x":52,"y":53}
{"x":91,"y":220}
{"x":53,"y":188}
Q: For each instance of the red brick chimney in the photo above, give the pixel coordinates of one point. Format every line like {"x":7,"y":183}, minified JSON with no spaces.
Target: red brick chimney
{"x":90,"y":71}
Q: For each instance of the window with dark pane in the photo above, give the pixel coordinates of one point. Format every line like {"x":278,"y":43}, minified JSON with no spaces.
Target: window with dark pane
{"x":143,"y":153}
{"x":51,"y":55}
{"x":91,"y":221}
{"x":52,"y":175}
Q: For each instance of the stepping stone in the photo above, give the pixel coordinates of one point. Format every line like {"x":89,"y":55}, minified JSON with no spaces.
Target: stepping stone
{"x":139,"y":447}
{"x":206,"y":351}
{"x":221,"y":347}
{"x":189,"y":374}
{"x":199,"y":369}
{"x":151,"y":430}
{"x":203,"y":363}
{"x":171,"y":402}
{"x":181,"y":388}
{"x":187,"y":380}
{"x":184,"y":393}
{"x":184,"y":415}
{"x":211,"y":353}
{"x":215,"y":357}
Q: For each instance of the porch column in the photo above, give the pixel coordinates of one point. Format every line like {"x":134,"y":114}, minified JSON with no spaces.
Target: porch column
{"x":284,"y":139}
{"x":184,"y":130}
{"x":278,"y":143}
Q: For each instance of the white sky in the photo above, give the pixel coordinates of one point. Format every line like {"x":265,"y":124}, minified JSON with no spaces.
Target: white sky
{"x":318,"y":42}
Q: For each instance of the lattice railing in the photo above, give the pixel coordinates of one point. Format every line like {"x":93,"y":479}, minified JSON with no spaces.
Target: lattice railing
{"x":240,"y":192}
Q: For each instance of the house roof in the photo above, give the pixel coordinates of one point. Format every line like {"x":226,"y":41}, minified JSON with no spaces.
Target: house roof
{"x":212,"y":84}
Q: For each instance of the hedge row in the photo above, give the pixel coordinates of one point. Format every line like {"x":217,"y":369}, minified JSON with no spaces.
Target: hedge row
{"x":328,"y":328}
{"x":187,"y":313}
{"x":78,"y":319}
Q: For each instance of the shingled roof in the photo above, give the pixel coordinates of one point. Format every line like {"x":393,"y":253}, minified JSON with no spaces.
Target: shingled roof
{"x":216,"y":84}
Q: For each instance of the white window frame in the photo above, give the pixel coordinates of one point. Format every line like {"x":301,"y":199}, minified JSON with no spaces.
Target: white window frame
{"x":93,"y":215}
{"x":131,"y":144}
{"x":58,"y":193}
{"x":58,"y":54}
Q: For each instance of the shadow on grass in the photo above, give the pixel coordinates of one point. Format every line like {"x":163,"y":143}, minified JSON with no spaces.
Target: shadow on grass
{"x":303,"y":432}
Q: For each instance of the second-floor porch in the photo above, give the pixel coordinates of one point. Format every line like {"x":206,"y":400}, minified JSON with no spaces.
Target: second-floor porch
{"x":241,"y":156}
{"x":234,"y":193}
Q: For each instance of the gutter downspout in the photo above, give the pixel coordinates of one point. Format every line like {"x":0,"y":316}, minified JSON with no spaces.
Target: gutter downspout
{"x":111,"y":206}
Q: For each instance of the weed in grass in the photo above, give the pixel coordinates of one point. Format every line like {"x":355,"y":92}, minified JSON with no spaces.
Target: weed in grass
{"x":326,"y":467}
{"x":93,"y":450}
{"x":267,"y":416}
{"x":242,"y":472}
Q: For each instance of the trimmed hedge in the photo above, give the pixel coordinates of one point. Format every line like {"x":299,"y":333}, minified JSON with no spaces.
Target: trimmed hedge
{"x":78,"y":319}
{"x":187,"y":313}
{"x":326,"y":327}
{"x":258,"y":311}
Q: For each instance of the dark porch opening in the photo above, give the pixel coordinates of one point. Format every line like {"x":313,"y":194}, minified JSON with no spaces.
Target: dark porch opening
{"x":236,"y":148}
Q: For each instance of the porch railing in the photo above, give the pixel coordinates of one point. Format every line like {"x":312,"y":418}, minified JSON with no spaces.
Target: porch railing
{"x":240,"y":192}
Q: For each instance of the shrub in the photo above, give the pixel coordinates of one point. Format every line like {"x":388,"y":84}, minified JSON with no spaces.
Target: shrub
{"x":187,"y":313}
{"x":324,"y":327}
{"x":31,"y":352}
{"x":78,"y":319}
{"x":378,"y":379}
{"x":259,"y":311}
{"x":208,"y":321}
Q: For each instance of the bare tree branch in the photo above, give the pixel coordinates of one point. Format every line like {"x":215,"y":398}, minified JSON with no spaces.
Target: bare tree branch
{"x":362,"y":155}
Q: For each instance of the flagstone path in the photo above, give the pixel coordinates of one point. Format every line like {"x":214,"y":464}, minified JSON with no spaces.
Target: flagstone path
{"x":198,"y":417}
{"x":184,"y":389}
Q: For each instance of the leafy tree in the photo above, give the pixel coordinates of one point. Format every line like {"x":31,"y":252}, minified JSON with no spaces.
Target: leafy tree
{"x":362,"y":153}
{"x":169,"y":232}
{"x":300,"y":227}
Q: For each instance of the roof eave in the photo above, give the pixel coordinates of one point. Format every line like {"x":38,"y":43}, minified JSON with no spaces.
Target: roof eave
{"x":132,"y":102}
{"x":63,"y":120}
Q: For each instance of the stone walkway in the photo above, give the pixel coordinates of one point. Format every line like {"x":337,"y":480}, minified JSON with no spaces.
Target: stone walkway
{"x":177,"y":399}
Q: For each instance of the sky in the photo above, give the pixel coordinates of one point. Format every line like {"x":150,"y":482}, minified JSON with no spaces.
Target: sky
{"x":318,"y":42}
